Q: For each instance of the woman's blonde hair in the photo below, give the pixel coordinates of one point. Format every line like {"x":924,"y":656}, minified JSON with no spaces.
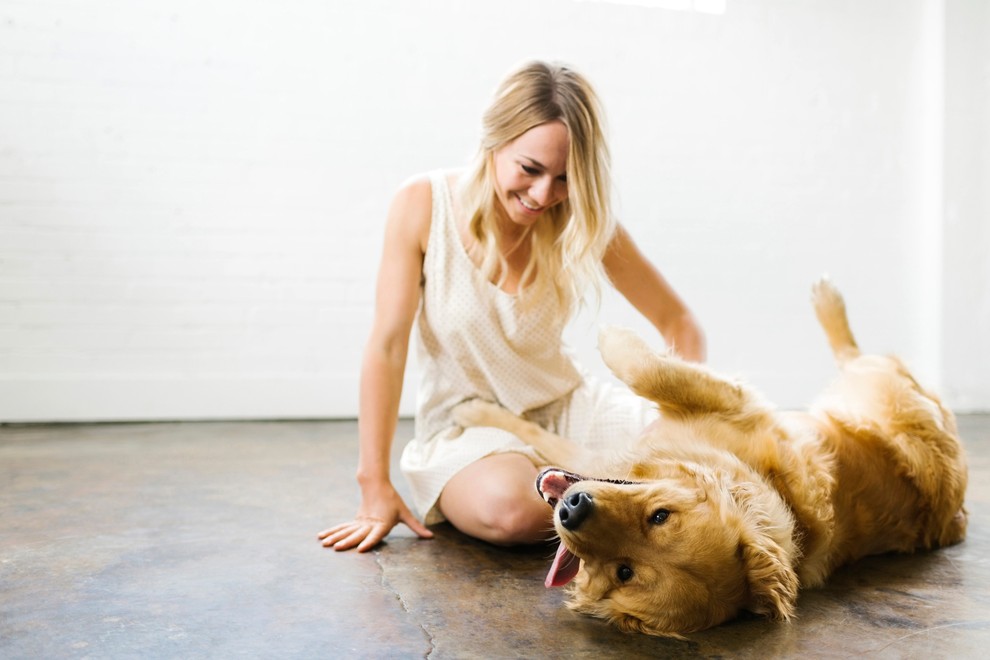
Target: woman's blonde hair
{"x":567,"y":246}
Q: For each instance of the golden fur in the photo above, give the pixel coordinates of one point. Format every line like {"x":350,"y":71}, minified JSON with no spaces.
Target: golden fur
{"x":732,"y":505}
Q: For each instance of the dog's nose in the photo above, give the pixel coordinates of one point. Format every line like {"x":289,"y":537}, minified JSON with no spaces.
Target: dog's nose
{"x":574,"y":509}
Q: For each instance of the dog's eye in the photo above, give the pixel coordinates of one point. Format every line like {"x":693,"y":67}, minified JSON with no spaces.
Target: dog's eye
{"x":624,"y":573}
{"x":659,"y":516}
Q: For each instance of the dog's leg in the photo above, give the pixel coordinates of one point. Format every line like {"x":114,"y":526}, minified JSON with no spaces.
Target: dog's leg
{"x":556,"y":450}
{"x":880,"y":393}
{"x":680,"y":388}
{"x":831,"y":312}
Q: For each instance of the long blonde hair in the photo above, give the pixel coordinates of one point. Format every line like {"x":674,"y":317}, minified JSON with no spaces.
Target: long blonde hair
{"x":567,"y":246}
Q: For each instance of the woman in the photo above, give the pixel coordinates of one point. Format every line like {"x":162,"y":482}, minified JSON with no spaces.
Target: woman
{"x":491,"y":263}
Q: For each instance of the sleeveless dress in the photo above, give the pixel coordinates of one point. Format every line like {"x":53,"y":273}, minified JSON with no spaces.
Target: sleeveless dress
{"x":473,"y":342}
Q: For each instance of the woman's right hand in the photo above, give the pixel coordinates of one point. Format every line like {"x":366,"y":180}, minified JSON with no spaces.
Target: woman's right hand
{"x":380,"y":511}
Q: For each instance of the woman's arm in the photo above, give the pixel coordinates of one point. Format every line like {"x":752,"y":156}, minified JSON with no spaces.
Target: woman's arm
{"x":642,"y":284}
{"x":382,"y":369}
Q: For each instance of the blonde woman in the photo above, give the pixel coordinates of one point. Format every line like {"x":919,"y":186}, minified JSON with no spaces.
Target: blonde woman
{"x":490,"y":264}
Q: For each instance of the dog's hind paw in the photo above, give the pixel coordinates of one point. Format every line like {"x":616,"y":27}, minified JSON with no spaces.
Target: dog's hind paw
{"x":825,"y":295}
{"x":830,"y":308}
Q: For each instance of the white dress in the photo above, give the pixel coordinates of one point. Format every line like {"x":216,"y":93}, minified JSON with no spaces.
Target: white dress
{"x":473,"y":342}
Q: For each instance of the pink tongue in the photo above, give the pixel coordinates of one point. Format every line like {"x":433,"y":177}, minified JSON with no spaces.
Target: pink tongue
{"x":565,"y":567}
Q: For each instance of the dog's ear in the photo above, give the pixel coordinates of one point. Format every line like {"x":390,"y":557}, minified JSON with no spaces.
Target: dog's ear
{"x":767,"y":551}
{"x":628,"y":623}
{"x":773,"y":584}
{"x":604,"y":609}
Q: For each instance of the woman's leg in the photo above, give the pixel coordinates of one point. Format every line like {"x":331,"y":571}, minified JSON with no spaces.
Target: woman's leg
{"x":495,"y":499}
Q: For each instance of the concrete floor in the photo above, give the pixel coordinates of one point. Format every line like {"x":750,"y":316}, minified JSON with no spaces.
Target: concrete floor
{"x":199,"y":540}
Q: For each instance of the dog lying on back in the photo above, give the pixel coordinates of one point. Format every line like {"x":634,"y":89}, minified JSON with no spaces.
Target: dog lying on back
{"x":726,"y":504}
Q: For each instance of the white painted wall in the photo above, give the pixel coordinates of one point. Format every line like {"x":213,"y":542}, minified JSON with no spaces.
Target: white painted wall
{"x":192,"y":193}
{"x":965,"y":311}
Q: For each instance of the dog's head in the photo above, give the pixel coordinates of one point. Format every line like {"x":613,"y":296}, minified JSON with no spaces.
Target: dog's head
{"x":674,"y":554}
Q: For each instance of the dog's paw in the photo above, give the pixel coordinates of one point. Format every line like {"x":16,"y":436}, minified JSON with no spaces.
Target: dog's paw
{"x":623,"y":351}
{"x":825,"y":297}
{"x":830,"y":308}
{"x":476,"y":412}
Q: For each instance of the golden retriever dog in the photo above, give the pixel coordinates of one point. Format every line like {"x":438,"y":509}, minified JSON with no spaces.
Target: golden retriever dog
{"x":726,"y":504}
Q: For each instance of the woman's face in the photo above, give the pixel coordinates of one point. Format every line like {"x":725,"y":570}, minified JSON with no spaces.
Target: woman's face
{"x":531,"y":172}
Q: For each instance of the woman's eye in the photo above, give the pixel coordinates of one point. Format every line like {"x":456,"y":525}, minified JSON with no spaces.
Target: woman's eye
{"x":624,"y":573}
{"x":659,"y":516}
{"x":530,"y":170}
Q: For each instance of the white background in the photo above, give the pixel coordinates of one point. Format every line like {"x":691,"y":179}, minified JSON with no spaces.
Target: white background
{"x":192,"y":192}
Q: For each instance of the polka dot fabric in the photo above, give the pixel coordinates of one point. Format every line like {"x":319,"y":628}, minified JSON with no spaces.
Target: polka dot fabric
{"x":473,"y":342}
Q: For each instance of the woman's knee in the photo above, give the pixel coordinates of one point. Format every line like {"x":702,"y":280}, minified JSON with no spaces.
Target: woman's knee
{"x":494,"y":500}
{"x":513,"y":520}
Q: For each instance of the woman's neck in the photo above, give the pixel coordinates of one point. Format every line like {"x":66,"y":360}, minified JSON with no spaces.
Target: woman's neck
{"x":513,"y":241}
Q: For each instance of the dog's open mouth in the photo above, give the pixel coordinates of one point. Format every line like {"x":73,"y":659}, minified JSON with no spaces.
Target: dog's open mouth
{"x":551,"y":484}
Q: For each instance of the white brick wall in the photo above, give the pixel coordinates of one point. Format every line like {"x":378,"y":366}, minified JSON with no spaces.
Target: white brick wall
{"x":192,"y":193}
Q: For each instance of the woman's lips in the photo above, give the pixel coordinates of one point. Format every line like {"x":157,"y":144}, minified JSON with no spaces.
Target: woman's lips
{"x":529,"y":208}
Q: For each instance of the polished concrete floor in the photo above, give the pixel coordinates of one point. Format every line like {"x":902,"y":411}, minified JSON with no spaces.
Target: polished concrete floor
{"x":199,"y":540}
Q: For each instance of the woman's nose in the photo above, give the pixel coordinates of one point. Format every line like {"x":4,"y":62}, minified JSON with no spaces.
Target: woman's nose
{"x":542,"y":191}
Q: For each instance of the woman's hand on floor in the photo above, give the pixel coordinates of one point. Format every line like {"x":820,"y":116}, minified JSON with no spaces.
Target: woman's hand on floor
{"x":377,"y":515}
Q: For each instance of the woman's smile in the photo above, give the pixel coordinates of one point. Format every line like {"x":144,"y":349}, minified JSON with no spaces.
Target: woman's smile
{"x":531,"y":172}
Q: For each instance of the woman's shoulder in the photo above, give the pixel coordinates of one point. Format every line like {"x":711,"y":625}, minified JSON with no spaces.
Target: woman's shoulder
{"x":415,"y":194}
{"x":412,"y":205}
{"x":409,"y":213}
{"x":418,"y":189}
{"x":451,"y":176}
{"x":415,"y":187}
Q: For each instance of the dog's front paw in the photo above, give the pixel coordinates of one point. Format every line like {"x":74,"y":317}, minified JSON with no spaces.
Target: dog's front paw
{"x":623,"y":351}
{"x":476,"y":412}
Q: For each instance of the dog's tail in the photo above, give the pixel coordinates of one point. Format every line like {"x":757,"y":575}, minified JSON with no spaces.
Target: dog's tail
{"x":831,"y":311}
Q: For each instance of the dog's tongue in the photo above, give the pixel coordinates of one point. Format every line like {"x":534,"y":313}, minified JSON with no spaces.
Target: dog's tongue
{"x":551,"y":484}
{"x":565,"y":567}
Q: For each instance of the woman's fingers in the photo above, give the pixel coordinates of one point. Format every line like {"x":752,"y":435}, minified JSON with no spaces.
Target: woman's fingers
{"x":375,"y":535}
{"x":412,"y":522}
{"x":365,"y":533}
{"x":355,"y":537}
{"x":333,"y":530}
